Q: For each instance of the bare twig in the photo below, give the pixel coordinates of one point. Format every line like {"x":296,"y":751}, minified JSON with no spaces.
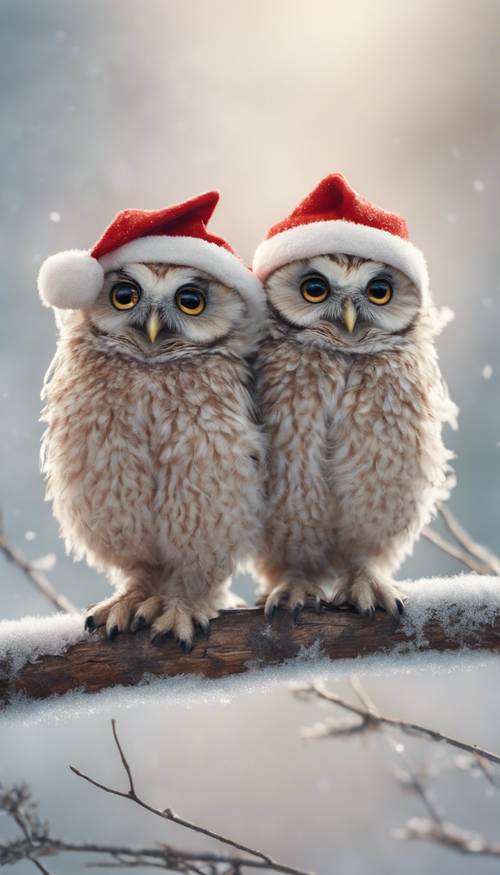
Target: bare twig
{"x":435,"y":828}
{"x":37,"y":843}
{"x":264,"y":860}
{"x":490,"y":560}
{"x":454,"y":551}
{"x":372,"y":719}
{"x":473,"y":555}
{"x":35,"y":575}
{"x":450,"y":836}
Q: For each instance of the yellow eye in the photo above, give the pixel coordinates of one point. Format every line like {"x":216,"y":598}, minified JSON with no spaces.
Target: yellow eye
{"x":190,"y":300}
{"x":379,"y":291}
{"x":125,"y":296}
{"x":315,"y":289}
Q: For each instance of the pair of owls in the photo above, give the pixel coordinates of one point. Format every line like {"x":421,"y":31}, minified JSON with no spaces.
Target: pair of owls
{"x":200,"y":415}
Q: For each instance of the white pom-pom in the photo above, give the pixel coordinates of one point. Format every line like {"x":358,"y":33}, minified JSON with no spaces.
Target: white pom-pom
{"x":70,"y":280}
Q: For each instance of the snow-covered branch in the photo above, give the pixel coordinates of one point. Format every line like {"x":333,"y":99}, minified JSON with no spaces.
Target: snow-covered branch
{"x":50,"y":656}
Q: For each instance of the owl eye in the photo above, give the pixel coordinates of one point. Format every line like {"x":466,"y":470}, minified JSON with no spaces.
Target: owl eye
{"x":315,"y":289}
{"x":125,"y":296}
{"x":379,"y":291}
{"x":190,"y":300}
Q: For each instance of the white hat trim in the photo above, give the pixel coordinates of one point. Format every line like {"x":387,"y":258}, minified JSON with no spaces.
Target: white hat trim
{"x":339,"y":237}
{"x":74,"y":279}
{"x":189,"y":252}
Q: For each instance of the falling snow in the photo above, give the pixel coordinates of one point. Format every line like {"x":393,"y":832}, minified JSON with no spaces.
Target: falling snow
{"x":487,"y":372}
{"x":478,"y":185}
{"x":54,"y":216}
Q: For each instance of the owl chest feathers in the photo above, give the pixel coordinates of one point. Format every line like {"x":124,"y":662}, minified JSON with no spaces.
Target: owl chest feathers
{"x":136,"y":457}
{"x":356,"y":448}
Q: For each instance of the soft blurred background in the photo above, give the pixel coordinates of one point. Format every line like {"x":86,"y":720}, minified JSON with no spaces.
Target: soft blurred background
{"x":107,"y":104}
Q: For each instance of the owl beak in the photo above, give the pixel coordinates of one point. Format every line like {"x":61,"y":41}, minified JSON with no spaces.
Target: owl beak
{"x":153,"y":325}
{"x":349,"y":314}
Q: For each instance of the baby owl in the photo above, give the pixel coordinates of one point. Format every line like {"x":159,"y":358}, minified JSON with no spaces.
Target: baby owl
{"x":152,"y":456}
{"x":352,"y":399}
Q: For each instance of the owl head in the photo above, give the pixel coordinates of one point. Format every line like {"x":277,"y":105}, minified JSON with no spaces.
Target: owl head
{"x":342,"y":299}
{"x":156,"y":284}
{"x":340,"y":270}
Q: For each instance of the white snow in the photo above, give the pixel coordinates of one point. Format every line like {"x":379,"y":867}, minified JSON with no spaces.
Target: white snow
{"x":462,"y":604}
{"x":478,"y":185}
{"x":487,"y":372}
{"x":23,"y":641}
{"x":45,"y":563}
{"x":30,"y":536}
{"x":54,"y":216}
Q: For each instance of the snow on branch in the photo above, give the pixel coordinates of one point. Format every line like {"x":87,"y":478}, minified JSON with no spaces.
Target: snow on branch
{"x":51,"y":656}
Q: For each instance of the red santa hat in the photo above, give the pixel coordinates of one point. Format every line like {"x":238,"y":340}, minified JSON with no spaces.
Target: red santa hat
{"x":334,"y":219}
{"x":177,"y":234}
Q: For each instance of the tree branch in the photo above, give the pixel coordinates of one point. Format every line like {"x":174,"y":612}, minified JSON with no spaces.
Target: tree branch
{"x":243,"y":639}
{"x":167,"y":814}
{"x":371,"y":719}
{"x":36,"y":841}
{"x":35,"y":575}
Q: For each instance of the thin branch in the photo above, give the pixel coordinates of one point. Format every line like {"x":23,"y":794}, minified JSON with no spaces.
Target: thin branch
{"x":462,"y":536}
{"x":450,"y":836}
{"x":35,"y":575}
{"x":168,"y":814}
{"x":373,"y":719}
{"x":39,"y":866}
{"x":454,"y":551}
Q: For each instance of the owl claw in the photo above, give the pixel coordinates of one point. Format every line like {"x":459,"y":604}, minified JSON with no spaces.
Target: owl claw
{"x":270,"y":611}
{"x":369,"y":613}
{"x":400,"y":606}
{"x":185,"y":645}
{"x":89,"y":624}
{"x":156,"y":639}
{"x":297,"y":610}
{"x":204,"y":627}
{"x":139,"y":622}
{"x":112,"y":632}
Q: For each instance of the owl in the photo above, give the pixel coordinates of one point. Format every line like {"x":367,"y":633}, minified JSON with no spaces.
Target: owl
{"x":152,"y":455}
{"x":352,"y":400}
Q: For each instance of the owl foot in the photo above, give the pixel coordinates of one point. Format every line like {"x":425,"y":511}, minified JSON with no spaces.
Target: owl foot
{"x":293,"y":596}
{"x":115,"y":613}
{"x":366,"y":592}
{"x":178,"y":618}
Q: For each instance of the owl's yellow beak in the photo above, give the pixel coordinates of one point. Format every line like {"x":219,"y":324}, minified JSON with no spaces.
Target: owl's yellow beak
{"x":153,"y":325}
{"x":349,"y":314}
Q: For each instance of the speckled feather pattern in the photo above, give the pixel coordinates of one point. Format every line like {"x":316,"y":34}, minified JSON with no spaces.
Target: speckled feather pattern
{"x":154,"y":472}
{"x":356,"y":459}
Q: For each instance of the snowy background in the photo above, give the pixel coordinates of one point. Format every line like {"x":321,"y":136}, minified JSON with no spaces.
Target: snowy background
{"x":120,"y":103}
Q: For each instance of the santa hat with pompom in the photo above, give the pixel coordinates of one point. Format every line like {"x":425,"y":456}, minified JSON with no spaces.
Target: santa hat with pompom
{"x":334,"y":219}
{"x":176,"y":235}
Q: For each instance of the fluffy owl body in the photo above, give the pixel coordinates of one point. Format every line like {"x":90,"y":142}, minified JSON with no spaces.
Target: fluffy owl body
{"x":152,"y":454}
{"x":354,"y":417}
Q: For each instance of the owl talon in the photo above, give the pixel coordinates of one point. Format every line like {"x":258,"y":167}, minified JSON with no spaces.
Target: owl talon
{"x":369,"y":613}
{"x":139,"y":622}
{"x":112,"y":632}
{"x":156,"y":640}
{"x":204,"y":627}
{"x":400,"y":606}
{"x":297,"y":612}
{"x":270,"y":612}
{"x":89,"y":624}
{"x":186,"y":646}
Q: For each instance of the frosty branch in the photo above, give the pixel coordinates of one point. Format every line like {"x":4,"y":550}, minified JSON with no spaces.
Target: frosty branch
{"x":435,"y":827}
{"x":36,"y":843}
{"x":34,"y":574}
